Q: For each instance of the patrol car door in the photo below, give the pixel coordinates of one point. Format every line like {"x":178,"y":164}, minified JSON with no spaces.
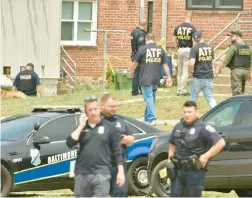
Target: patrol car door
{"x":52,"y":160}
{"x":240,"y":150}
{"x":223,"y":119}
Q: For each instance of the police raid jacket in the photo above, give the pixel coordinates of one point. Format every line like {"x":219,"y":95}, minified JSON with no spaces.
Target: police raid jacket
{"x":184,"y":33}
{"x":196,"y":138}
{"x":122,"y":127}
{"x":137,"y":39}
{"x":203,"y":55}
{"x":241,"y":57}
{"x":151,"y":59}
{"x":98,"y":146}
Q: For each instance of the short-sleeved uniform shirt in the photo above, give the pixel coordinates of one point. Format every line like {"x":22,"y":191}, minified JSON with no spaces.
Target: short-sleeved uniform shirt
{"x":151,"y":59}
{"x":205,"y":133}
{"x":184,"y":33}
{"x":203,"y":55}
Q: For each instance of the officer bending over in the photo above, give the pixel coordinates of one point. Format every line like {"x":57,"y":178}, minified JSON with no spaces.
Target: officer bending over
{"x":28,"y":82}
{"x":192,"y":145}
{"x":108,"y":107}
{"x":239,"y":59}
{"x":99,"y":143}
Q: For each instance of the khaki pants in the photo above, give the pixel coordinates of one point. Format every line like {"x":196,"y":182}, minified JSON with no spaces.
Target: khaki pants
{"x":238,"y":80}
{"x":182,"y":76}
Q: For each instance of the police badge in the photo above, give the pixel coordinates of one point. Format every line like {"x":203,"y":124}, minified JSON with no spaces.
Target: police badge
{"x":35,"y":155}
{"x":118,"y":125}
{"x":101,"y":130}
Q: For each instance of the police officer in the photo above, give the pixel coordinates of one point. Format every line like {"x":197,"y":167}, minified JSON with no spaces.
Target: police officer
{"x":239,"y":59}
{"x":108,"y":107}
{"x":192,"y":145}
{"x":201,"y":57}
{"x":137,"y":40}
{"x":99,"y":143}
{"x":151,"y":58}
{"x":28,"y":82}
{"x":183,"y":42}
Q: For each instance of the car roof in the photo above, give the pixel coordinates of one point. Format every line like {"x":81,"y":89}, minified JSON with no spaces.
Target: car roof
{"x":246,"y":96}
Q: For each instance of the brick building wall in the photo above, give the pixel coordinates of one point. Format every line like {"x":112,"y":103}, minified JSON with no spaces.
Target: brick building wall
{"x":124,"y":14}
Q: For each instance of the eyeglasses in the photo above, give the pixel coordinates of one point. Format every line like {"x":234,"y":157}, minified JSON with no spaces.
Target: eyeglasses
{"x":90,"y":99}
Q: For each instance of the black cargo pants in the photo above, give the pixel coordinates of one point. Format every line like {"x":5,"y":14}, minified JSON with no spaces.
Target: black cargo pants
{"x":188,"y":183}
{"x":135,"y":81}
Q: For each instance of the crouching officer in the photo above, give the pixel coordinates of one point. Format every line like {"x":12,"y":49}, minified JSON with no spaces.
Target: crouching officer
{"x":99,"y":143}
{"x":192,"y":145}
{"x":239,"y":59}
{"x":28,"y":82}
{"x":137,"y":41}
{"x":108,"y":107}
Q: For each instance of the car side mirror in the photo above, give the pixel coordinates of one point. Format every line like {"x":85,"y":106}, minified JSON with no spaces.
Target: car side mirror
{"x":41,"y":140}
{"x":36,"y":126}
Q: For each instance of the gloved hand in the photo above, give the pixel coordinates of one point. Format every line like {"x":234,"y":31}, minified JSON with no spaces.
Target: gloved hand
{"x":171,"y":170}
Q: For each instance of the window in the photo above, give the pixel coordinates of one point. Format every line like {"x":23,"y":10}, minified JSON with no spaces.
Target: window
{"x":58,"y":129}
{"x":76,"y":17}
{"x":215,"y":4}
{"x":150,"y":13}
{"x":248,"y":116}
{"x":225,"y":115}
{"x":133,"y":129}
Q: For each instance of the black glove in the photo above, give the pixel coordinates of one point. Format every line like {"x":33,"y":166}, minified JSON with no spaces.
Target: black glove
{"x":171,"y":170}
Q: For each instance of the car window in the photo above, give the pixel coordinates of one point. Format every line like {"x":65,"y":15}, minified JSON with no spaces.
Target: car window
{"x":15,"y":128}
{"x":134,"y":128}
{"x":224,"y":115}
{"x":248,"y":116}
{"x":58,"y":129}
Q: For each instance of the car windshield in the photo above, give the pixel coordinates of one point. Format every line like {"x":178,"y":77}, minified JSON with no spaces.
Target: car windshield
{"x":17,"y":127}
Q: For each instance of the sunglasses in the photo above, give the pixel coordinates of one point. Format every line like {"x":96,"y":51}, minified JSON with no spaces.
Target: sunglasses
{"x":90,"y":99}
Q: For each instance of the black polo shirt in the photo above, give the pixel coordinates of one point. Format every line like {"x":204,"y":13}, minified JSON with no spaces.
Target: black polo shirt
{"x":98,"y":146}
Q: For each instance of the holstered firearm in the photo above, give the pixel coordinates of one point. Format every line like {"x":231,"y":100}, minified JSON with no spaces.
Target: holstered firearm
{"x":171,"y":170}
{"x":194,"y":162}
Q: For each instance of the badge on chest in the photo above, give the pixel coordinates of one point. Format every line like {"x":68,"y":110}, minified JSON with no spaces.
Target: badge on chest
{"x":192,"y":131}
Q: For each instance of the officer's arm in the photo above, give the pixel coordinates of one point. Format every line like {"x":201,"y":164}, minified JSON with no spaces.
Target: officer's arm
{"x":129,"y":138}
{"x":175,"y":42}
{"x":215,"y":149}
{"x":73,"y":139}
{"x":171,"y":151}
{"x":133,"y":41}
{"x":115,"y":137}
{"x":15,"y":83}
{"x":229,"y":54}
{"x":39,"y":90}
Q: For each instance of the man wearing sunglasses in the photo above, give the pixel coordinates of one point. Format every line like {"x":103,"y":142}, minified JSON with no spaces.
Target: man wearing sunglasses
{"x":99,"y":143}
{"x":108,"y":108}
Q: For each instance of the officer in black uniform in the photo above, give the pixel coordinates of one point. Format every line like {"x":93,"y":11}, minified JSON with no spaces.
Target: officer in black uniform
{"x":151,"y":59}
{"x":137,"y":40}
{"x":28,"y":82}
{"x":192,"y":145}
{"x":108,"y":107}
{"x":99,"y":144}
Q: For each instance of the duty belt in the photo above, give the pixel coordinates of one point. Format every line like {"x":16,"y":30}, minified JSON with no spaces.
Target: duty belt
{"x":245,"y":68}
{"x":192,"y":163}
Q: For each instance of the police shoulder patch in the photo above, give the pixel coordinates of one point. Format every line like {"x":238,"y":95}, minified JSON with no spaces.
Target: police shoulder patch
{"x":210,"y":128}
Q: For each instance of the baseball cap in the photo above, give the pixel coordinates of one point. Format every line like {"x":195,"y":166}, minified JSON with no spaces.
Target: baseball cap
{"x":197,"y":35}
{"x":31,"y":65}
{"x":235,"y":32}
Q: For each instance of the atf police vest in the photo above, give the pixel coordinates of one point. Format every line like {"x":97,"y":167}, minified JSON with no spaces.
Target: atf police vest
{"x":188,"y":142}
{"x":26,"y":81}
{"x":241,"y":57}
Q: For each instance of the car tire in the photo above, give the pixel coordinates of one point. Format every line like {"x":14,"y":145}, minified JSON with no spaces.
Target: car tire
{"x":6,"y":181}
{"x":244,"y":192}
{"x":159,"y":189}
{"x":137,"y":169}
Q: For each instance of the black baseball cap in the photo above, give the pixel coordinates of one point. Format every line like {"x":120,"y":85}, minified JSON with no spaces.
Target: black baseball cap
{"x":235,"y":32}
{"x":31,"y":65}
{"x":197,"y":35}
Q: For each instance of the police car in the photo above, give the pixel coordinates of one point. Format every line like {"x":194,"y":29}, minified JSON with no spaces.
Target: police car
{"x":35,"y":156}
{"x":231,"y":169}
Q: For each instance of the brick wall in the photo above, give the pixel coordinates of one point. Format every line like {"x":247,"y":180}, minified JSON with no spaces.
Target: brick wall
{"x":124,"y":14}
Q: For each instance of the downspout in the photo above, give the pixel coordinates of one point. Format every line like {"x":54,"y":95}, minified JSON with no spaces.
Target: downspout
{"x":164,"y":21}
{"x":141,"y":10}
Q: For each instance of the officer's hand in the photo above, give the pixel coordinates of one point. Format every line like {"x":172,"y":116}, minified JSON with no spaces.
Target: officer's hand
{"x":83,"y":120}
{"x":124,"y":139}
{"x":250,"y":78}
{"x":120,"y":180}
{"x":203,"y":160}
{"x":169,"y":82}
{"x":131,"y":72}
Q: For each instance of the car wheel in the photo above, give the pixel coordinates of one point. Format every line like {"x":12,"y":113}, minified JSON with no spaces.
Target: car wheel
{"x":137,"y":176}
{"x":161,"y":186}
{"x":244,"y":192}
{"x":6,"y":181}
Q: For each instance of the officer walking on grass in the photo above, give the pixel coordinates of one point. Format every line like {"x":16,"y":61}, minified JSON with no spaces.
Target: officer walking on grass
{"x":99,"y":143}
{"x":192,"y":145}
{"x":239,"y":59}
{"x":137,"y":41}
{"x":108,"y":107}
{"x":201,"y":58}
{"x":151,"y":58}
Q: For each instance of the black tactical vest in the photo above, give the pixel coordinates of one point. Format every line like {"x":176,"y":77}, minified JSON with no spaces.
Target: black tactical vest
{"x":26,"y":81}
{"x":188,"y":140}
{"x":241,"y":57}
